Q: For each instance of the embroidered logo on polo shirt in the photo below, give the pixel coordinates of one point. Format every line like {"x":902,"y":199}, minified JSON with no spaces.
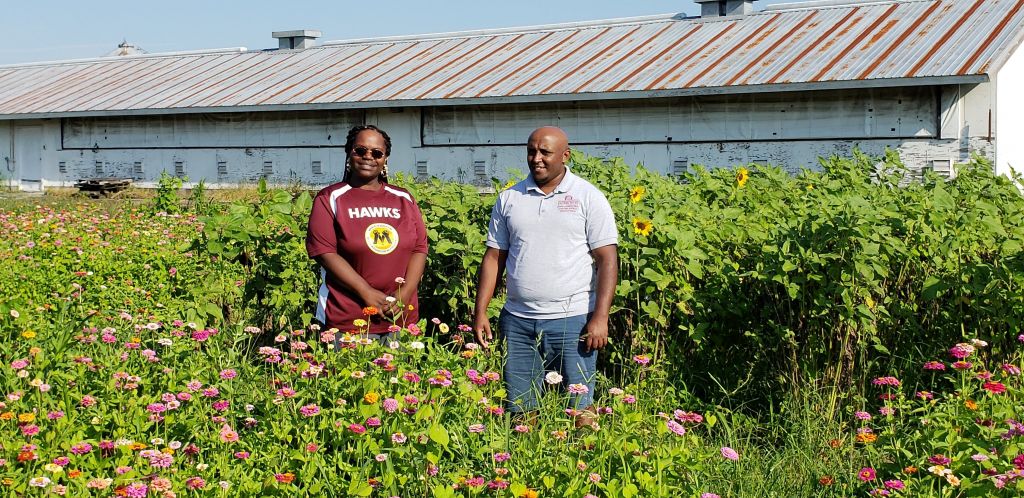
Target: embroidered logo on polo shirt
{"x":381,"y":238}
{"x":568,"y":204}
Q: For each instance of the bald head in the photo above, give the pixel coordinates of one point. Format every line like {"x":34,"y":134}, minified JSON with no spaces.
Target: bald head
{"x":553,"y":132}
{"x":547,"y":151}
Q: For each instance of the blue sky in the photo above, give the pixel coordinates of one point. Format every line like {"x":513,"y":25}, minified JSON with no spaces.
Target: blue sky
{"x":44,"y":30}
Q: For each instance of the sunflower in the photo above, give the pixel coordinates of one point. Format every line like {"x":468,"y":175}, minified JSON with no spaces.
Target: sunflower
{"x":742,"y":175}
{"x":637,"y":194}
{"x":642,"y":226}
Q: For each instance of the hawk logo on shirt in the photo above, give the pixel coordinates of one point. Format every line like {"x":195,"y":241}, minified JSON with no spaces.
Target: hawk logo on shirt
{"x":381,"y":238}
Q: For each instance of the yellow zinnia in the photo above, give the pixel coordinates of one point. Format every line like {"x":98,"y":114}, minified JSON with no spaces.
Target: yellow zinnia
{"x":637,"y":194}
{"x":742,"y":175}
{"x":642,"y":226}
{"x":28,"y":334}
{"x":371,"y":398}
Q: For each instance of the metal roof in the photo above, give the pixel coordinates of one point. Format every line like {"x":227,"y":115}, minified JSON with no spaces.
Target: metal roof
{"x":822,"y":44}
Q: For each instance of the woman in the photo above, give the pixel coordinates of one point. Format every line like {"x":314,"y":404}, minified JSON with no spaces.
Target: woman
{"x":370,"y":241}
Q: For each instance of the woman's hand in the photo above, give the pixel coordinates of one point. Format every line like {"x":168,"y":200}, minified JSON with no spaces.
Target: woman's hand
{"x":375,"y":298}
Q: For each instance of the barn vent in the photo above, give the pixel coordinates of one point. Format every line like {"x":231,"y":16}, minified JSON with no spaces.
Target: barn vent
{"x":680,"y":166}
{"x":296,"y":39}
{"x":721,"y":8}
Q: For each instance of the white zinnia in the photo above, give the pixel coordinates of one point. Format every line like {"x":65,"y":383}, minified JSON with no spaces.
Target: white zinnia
{"x":553,"y":378}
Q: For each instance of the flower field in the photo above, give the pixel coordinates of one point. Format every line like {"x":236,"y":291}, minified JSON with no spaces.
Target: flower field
{"x":148,"y":354}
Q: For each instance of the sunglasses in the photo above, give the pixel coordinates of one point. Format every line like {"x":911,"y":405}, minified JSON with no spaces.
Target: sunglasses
{"x":374,"y":153}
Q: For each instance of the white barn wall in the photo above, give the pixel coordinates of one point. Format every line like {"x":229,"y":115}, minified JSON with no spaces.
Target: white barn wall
{"x":1010,"y":115}
{"x":963,"y":129}
{"x":6,"y":156}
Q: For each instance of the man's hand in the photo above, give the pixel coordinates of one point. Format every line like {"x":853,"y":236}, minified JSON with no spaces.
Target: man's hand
{"x":596,"y":333}
{"x":482,"y":330}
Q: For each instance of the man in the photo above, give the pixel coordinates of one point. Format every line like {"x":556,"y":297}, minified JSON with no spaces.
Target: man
{"x":555,"y":235}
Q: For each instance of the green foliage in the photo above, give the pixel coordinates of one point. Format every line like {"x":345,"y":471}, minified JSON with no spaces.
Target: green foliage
{"x":456,"y":217}
{"x":199,"y":201}
{"x":166,"y":199}
{"x":769,"y":280}
{"x":266,"y":237}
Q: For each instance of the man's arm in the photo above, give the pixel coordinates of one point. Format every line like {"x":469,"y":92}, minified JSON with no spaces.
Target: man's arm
{"x":491,"y":269}
{"x":607,"y":261}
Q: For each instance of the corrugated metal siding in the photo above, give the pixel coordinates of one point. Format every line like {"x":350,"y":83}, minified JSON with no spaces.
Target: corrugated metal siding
{"x":861,"y":41}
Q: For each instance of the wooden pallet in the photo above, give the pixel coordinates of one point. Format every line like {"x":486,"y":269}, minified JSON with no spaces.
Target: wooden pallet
{"x":103,"y":187}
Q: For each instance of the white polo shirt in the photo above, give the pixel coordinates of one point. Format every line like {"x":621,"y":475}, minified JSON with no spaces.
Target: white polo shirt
{"x":549,"y":238}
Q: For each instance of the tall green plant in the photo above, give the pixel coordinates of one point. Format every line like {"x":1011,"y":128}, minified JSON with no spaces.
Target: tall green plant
{"x":267,"y":237}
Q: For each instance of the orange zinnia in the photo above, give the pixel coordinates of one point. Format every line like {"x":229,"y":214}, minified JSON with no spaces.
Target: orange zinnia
{"x":370,"y":310}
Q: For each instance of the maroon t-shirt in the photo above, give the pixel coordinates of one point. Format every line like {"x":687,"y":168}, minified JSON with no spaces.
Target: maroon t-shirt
{"x":377,"y":233}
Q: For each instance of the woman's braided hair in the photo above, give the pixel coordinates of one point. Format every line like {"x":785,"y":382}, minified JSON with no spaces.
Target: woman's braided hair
{"x":350,"y":144}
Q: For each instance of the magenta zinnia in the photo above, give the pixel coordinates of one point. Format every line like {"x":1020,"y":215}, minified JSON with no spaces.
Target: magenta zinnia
{"x":994,"y":387}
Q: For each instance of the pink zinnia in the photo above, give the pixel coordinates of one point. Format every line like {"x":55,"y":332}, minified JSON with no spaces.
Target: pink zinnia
{"x":501,"y":457}
{"x":934,"y":365}
{"x":729,"y":453}
{"x":578,"y":389}
{"x":356,"y":428}
{"x":390,"y":405}
{"x":675,"y":427}
{"x":961,"y":351}
{"x":228,"y":374}
{"x":994,"y":387}
{"x":81,"y":448}
{"x":227,"y":434}
{"x":866,"y":474}
{"x":136,"y":490}
{"x":309,"y":410}
{"x":477,"y":428}
{"x":962,"y":365}
{"x":939,"y":460}
{"x":886,"y":381}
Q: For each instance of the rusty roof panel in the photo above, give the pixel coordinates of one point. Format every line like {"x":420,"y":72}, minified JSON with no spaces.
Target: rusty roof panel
{"x":806,"y":44}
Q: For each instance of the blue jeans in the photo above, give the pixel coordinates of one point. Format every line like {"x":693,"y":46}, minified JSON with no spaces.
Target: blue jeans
{"x":533,"y":347}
